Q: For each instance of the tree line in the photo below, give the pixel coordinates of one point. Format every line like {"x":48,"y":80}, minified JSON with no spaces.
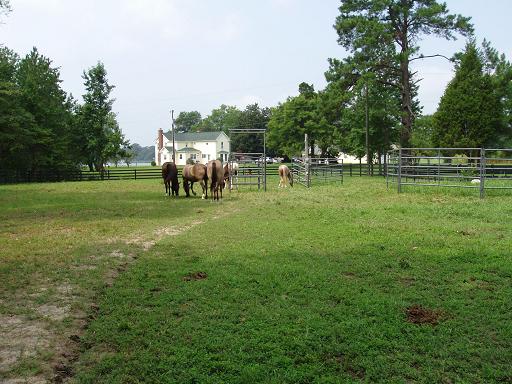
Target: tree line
{"x":42,"y":127}
{"x":371,"y":102}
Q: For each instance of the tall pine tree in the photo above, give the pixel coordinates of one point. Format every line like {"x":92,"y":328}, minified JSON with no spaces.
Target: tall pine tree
{"x":470,"y":113}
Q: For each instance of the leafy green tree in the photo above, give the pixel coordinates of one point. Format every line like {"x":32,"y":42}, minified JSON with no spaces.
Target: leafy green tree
{"x":383,"y":37}
{"x":221,"y":119}
{"x":297,"y":116}
{"x":355,"y":96}
{"x":423,"y":131}
{"x":470,"y":112}
{"x":252,"y":117}
{"x":16,"y":123}
{"x":186,"y":121}
{"x":95,"y":118}
{"x":117,"y":148}
{"x":42,"y":97}
{"x":500,"y":70}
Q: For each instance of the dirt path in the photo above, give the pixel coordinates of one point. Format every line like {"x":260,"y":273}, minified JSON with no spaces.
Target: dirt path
{"x":39,"y":343}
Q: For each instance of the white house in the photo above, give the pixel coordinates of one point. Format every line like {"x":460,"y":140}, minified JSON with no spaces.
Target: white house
{"x":198,"y":146}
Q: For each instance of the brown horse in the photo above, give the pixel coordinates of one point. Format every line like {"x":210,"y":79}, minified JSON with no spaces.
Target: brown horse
{"x":170,"y":176}
{"x":216,"y":177}
{"x":193,"y":173}
{"x":285,"y":176}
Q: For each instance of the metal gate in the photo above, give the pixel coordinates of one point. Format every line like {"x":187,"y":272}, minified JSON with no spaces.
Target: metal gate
{"x":317,"y":171}
{"x":247,"y":169}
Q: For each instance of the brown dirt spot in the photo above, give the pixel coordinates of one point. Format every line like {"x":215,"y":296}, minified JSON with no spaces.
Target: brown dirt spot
{"x":417,"y":314}
{"x":350,"y":275}
{"x":407,"y":281}
{"x":195,"y":276}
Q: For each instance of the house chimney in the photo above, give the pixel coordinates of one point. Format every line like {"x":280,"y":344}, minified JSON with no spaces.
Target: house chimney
{"x":160,"y":144}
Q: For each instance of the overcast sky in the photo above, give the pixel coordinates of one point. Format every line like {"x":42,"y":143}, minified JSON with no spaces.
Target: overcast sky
{"x":198,"y":54}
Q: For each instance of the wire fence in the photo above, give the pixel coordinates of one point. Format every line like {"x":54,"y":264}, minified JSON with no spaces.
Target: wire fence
{"x":466,"y":168}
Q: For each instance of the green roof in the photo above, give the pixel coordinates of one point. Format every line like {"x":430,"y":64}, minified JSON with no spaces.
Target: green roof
{"x":194,"y":136}
{"x":187,"y":150}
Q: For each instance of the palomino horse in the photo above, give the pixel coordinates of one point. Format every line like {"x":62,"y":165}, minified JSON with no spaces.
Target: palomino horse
{"x":216,"y":177}
{"x":285,"y":176}
{"x":193,"y":173}
{"x":170,"y":176}
{"x":230,"y":172}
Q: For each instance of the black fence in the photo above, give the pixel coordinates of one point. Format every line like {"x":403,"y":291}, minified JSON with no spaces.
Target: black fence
{"x":11,"y":177}
{"x":125,"y":173}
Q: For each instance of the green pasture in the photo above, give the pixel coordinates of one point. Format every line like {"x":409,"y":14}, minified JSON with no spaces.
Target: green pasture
{"x":339,"y":283}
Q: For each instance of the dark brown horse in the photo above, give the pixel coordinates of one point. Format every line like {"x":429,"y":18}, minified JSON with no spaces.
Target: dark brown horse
{"x":193,"y":173}
{"x":216,"y":177}
{"x":170,"y":176}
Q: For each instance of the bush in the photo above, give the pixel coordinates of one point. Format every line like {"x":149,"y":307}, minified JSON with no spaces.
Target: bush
{"x":153,"y":163}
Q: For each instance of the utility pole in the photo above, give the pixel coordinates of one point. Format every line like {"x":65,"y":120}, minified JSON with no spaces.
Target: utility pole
{"x":173,"y":140}
{"x":367,"y":118}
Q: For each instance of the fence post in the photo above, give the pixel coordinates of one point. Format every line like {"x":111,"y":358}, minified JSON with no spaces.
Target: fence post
{"x":439,"y":167}
{"x":482,"y":173}
{"x":350,"y":169}
{"x":399,"y":174}
{"x":386,"y":170}
{"x":135,"y":173}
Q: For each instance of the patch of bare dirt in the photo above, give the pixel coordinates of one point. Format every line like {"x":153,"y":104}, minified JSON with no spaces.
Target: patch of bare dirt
{"x":21,"y":338}
{"x":27,"y":380}
{"x":54,"y":312}
{"x":195,"y":276}
{"x":418,"y":314}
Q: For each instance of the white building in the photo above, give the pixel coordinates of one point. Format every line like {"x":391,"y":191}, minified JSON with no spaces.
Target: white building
{"x":198,"y":146}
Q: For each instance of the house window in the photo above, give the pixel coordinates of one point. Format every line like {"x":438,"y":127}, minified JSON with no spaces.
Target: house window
{"x":204,"y":156}
{"x":181,"y":156}
{"x":222,"y":144}
{"x":193,"y":156}
{"x":208,"y":157}
{"x":165,"y":157}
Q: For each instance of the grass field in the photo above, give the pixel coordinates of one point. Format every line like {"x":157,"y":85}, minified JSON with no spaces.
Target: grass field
{"x":111,"y":282}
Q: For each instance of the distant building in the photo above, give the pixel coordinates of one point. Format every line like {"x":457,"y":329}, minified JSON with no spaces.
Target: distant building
{"x":198,"y":146}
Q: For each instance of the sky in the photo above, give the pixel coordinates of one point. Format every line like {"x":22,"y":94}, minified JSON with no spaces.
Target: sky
{"x":194,"y":55}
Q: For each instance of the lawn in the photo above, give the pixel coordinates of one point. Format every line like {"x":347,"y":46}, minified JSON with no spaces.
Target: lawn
{"x":340,"y":283}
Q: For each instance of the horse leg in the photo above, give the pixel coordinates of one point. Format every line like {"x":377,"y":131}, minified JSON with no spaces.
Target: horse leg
{"x":192,"y":187}
{"x":203,"y":188}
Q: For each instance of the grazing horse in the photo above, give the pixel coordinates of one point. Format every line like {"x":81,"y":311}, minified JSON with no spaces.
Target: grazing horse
{"x":170,"y":176}
{"x":285,"y":176}
{"x":193,"y":173}
{"x":216,"y":177}
{"x":230,"y":172}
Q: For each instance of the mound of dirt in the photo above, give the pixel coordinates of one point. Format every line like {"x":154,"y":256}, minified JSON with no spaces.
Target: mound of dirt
{"x":417,"y":314}
{"x":195,"y":276}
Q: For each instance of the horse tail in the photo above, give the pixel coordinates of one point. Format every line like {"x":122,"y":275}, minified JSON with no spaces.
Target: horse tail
{"x":291,"y":178}
{"x":214,"y":181}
